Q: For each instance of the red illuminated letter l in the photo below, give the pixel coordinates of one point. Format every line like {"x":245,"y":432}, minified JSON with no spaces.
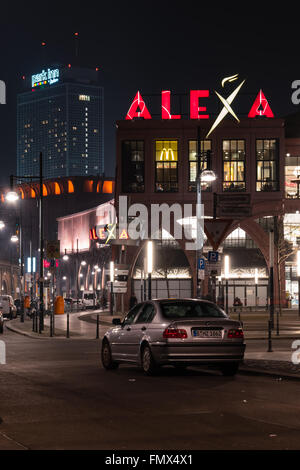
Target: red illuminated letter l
{"x":165,"y":106}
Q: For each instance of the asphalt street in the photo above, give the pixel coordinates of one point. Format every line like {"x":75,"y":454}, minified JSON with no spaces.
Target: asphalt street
{"x":56,"y":395}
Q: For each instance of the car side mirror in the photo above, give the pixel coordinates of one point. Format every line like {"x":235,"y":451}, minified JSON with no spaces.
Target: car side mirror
{"x":116,"y":321}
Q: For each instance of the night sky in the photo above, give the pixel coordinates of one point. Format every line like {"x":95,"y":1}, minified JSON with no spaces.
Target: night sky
{"x":149,"y":46}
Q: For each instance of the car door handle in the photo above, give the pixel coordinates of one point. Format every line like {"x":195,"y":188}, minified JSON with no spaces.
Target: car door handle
{"x":143,"y":328}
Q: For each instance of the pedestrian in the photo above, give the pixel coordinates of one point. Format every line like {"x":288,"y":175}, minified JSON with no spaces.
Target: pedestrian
{"x":132,"y":302}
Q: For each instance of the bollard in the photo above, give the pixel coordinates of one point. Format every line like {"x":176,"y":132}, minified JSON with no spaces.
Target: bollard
{"x":270,"y":336}
{"x":68,"y":325}
{"x":33,"y":322}
{"x":51,"y":324}
{"x":277,"y":324}
{"x":97,"y":332}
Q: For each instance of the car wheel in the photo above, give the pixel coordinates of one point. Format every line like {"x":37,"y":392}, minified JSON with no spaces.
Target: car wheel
{"x":148,"y":364}
{"x":106,"y":358}
{"x":229,"y":370}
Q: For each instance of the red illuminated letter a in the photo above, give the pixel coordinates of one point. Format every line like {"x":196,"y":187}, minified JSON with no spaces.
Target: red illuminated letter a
{"x":138,"y":108}
{"x":261,"y":107}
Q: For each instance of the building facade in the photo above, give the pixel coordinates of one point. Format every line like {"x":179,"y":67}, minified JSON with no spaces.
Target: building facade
{"x":61,"y":196}
{"x":253,"y":194}
{"x":61,"y":115}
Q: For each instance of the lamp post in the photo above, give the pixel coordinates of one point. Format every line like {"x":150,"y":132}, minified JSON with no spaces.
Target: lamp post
{"x":256,"y":286}
{"x":298,"y":275}
{"x":226,"y":275}
{"x":13,"y":196}
{"x":112,"y":278}
{"x":271,"y":276}
{"x":149,"y":267}
{"x":207,"y":176}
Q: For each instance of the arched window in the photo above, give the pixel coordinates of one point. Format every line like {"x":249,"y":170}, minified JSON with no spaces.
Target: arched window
{"x":70,"y":186}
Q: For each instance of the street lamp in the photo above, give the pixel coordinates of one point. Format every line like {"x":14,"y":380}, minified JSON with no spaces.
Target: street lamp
{"x":203,"y":176}
{"x":271,"y":276}
{"x":226,"y":275}
{"x":256,"y":286}
{"x":14,"y":239}
{"x":149,"y":267}
{"x":112,"y":278}
{"x":12,"y":196}
{"x":83,"y":263}
{"x":2,"y":224}
{"x":298,"y":274}
{"x":65,"y":257}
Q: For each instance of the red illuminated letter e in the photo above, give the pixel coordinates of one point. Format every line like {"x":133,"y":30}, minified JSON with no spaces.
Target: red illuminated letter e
{"x":195,"y":109}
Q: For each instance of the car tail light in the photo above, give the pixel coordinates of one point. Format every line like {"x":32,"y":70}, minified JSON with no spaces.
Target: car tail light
{"x":174,"y":333}
{"x":236,"y":333}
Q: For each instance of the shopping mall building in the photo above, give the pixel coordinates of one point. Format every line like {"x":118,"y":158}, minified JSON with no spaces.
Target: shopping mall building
{"x":256,"y":160}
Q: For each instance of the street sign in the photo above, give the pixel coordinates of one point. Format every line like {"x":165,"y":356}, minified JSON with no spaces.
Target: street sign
{"x":201,"y":263}
{"x":213,"y":256}
{"x":53,"y":249}
{"x":201,"y":268}
{"x":120,"y":284}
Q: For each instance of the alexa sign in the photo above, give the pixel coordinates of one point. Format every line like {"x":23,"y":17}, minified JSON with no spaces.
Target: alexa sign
{"x":260,"y":107}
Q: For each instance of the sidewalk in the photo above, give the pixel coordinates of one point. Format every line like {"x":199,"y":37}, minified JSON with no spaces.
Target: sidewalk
{"x":83,"y":325}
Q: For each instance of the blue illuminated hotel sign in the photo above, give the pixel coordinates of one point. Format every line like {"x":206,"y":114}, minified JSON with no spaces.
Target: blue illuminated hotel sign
{"x":46,"y":77}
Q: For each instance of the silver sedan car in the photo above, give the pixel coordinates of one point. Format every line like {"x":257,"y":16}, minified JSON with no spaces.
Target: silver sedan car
{"x":179,"y":332}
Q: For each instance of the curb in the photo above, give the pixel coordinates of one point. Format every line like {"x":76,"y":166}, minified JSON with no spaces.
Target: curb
{"x":40,"y":336}
{"x":267,"y":373}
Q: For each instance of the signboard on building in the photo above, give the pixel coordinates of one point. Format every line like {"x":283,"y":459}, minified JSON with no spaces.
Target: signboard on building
{"x":53,"y":249}
{"x":45,"y":77}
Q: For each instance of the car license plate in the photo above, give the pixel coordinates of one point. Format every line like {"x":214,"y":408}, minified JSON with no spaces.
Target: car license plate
{"x":207,"y":333}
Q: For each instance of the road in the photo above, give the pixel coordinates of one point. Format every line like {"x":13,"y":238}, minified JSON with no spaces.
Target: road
{"x":55,"y":395}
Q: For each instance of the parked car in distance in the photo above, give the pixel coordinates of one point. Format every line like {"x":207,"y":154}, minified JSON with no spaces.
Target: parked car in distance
{"x":179,"y":332}
{"x":89,"y":299}
{"x":9,"y":308}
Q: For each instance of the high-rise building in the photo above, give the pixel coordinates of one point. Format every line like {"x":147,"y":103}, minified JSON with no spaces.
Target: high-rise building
{"x":62,"y":115}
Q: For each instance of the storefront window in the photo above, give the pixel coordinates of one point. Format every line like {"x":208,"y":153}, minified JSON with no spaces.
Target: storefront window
{"x":133,"y":166}
{"x":204,"y":164}
{"x":267,"y":165}
{"x":166,"y":170}
{"x":234,"y":165}
{"x":292,"y":177}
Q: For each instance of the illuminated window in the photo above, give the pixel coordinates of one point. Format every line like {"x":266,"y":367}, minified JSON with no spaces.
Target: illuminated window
{"x":84,"y":98}
{"x":234,"y":165}
{"x":45,"y":192}
{"x":107,"y":187}
{"x":205,"y":163}
{"x":56,"y":188}
{"x":166,"y":171}
{"x":292,"y":176}
{"x":88,"y":186}
{"x":133,"y":166}
{"x":267,"y":165}
{"x":70,"y":186}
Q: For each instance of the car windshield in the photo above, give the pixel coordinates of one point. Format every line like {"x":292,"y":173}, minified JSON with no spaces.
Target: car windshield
{"x":89,"y":296}
{"x":190,"y":309}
